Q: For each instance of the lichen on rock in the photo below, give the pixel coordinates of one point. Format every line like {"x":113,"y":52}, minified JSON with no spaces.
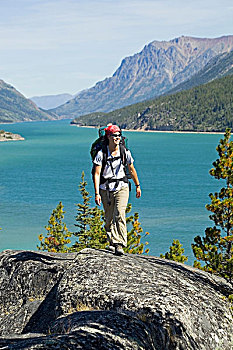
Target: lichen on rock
{"x":96,"y":300}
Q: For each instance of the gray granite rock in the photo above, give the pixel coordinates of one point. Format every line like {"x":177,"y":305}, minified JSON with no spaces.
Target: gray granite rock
{"x":96,"y":300}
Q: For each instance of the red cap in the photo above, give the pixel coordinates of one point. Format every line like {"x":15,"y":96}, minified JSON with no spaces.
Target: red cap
{"x":111,"y":129}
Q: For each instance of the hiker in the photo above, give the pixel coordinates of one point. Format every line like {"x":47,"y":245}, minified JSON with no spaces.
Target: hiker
{"x":112,"y":186}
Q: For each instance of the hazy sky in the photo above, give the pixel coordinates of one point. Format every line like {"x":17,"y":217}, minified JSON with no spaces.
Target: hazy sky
{"x":57,"y":46}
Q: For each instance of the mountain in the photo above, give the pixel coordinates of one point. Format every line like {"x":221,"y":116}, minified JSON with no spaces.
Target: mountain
{"x":217,"y":67}
{"x":51,"y":101}
{"x":206,"y":107}
{"x":14,"y":107}
{"x":159,"y":67}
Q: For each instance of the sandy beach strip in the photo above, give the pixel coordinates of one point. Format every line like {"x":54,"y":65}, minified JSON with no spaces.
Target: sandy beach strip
{"x":160,"y":131}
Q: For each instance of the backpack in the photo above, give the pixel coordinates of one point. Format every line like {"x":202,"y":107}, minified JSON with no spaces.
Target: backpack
{"x":101,"y":144}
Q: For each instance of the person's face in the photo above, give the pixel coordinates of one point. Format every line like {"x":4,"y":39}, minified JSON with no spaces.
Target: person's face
{"x":115,"y":138}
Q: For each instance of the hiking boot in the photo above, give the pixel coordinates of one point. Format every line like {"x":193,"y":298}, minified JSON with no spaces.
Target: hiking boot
{"x":119,"y":249}
{"x":111,"y":248}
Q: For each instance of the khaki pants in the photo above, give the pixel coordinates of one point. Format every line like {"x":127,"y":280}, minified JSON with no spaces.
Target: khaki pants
{"x":115,"y":215}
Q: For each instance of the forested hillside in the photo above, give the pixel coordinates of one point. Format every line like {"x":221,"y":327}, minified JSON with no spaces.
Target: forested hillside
{"x":207,"y":107}
{"x":14,"y":107}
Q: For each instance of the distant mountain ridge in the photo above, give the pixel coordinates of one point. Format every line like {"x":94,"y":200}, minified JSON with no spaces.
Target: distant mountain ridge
{"x":207,"y":107}
{"x":158,"y":68}
{"x":51,"y":101}
{"x":217,"y":67}
{"x":14,"y":107}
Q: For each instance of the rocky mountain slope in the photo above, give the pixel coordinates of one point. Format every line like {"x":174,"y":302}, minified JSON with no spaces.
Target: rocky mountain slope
{"x":96,"y":300}
{"x":14,"y":107}
{"x":159,"y":67}
{"x":206,"y":107}
{"x":217,"y":67}
{"x":51,"y":101}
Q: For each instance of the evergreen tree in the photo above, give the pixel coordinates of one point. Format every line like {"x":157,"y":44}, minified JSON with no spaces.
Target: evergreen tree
{"x":175,"y":252}
{"x":83,"y":210}
{"x":91,"y":233}
{"x":215,"y":249}
{"x":134,"y":244}
{"x":58,"y":234}
{"x":205,"y":107}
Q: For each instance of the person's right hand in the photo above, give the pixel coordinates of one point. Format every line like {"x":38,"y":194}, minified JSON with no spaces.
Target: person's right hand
{"x":98,"y":199}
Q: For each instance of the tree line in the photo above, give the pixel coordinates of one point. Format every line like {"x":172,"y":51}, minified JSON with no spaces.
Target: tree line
{"x":206,"y":107}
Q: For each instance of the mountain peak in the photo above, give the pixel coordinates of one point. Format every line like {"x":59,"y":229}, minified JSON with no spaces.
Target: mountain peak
{"x":159,"y":67}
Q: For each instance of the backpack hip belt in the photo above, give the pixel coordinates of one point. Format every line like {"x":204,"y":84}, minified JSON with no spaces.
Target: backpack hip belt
{"x":111,"y":180}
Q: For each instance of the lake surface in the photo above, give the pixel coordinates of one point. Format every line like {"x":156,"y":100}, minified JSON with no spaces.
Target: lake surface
{"x":46,"y":168}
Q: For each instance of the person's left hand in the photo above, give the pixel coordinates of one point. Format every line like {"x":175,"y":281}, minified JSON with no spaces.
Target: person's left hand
{"x":98,"y":199}
{"x":138,"y":192}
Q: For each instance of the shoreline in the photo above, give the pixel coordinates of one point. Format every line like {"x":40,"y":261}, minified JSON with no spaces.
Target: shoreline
{"x":160,"y":131}
{"x":131,"y":130}
{"x":6,"y":140}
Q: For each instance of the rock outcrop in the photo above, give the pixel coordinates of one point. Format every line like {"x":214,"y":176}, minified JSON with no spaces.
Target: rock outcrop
{"x":96,"y":300}
{"x":9,"y":136}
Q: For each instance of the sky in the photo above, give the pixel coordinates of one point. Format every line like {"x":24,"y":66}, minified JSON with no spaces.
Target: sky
{"x":49,"y":47}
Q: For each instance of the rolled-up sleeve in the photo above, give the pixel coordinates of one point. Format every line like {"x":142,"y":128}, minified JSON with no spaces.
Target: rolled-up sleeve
{"x":129,"y":158}
{"x":98,"y":158}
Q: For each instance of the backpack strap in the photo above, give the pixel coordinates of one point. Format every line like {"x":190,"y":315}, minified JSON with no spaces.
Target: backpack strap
{"x":125,"y":178}
{"x":123,"y":150}
{"x":106,"y":160}
{"x":123,"y":154}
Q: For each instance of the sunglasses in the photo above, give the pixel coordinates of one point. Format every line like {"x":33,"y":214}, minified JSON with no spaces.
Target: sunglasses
{"x":116,"y":135}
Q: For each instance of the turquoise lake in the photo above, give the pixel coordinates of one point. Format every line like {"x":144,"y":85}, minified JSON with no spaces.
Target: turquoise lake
{"x":46,"y":168}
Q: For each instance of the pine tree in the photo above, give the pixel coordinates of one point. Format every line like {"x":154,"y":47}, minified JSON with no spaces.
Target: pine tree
{"x":215,"y":249}
{"x":83,"y":215}
{"x":134,"y":236}
{"x":58,"y":234}
{"x":91,"y":233}
{"x":91,"y":224}
{"x":175,"y":252}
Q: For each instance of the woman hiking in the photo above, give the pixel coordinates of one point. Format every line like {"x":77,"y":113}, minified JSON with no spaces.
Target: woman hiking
{"x":112,"y":187}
